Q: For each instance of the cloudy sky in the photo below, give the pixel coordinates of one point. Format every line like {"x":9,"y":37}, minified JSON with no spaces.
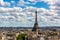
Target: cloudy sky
{"x":20,"y":13}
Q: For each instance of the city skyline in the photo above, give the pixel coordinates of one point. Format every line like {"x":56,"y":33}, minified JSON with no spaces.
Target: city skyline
{"x":21,"y":13}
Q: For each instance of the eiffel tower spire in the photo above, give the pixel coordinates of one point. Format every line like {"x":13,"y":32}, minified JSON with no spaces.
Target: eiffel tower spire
{"x":36,"y":23}
{"x":36,"y":17}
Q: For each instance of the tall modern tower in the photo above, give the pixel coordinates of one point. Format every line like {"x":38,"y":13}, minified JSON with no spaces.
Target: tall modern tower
{"x":36,"y":23}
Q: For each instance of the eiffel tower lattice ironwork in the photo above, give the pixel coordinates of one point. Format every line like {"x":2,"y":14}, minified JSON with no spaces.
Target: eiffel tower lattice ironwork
{"x":36,"y":23}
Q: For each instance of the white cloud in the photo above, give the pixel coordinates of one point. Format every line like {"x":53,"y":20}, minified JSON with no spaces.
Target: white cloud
{"x":50,"y":1}
{"x":2,"y":3}
{"x":33,"y":1}
{"x":26,"y":15}
{"x":12,"y":1}
{"x":54,"y":10}
{"x":22,"y":3}
{"x":15,"y":9}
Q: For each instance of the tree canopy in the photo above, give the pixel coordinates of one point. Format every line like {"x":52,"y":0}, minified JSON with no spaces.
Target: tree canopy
{"x":21,"y":37}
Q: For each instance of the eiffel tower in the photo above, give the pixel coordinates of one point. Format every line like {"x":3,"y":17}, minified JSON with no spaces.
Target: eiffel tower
{"x":36,"y":23}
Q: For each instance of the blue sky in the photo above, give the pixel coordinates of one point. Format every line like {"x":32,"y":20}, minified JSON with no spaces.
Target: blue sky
{"x":37,"y":4}
{"x":21,"y":13}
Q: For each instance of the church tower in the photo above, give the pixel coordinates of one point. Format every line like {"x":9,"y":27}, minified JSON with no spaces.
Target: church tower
{"x":36,"y":23}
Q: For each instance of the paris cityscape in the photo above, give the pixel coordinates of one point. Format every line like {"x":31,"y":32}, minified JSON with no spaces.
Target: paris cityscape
{"x":35,"y":33}
{"x":29,"y":19}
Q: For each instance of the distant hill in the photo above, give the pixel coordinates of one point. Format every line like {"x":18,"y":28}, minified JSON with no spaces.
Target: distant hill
{"x":46,"y":27}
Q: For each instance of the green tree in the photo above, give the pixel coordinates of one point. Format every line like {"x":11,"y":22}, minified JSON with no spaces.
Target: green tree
{"x":21,"y":37}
